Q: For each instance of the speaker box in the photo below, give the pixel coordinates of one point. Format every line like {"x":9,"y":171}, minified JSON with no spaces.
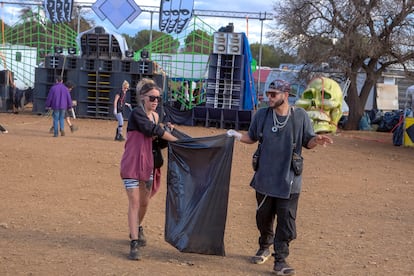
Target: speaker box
{"x":55,"y":62}
{"x":220,"y":43}
{"x":107,"y":65}
{"x":89,"y":64}
{"x":199,"y":115}
{"x":72,"y":63}
{"x":234,"y":43}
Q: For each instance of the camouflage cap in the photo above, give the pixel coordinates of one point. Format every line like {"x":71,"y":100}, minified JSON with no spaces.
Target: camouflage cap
{"x":280,"y":85}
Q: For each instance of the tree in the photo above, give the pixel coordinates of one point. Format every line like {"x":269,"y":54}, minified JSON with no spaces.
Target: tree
{"x":27,"y":14}
{"x":354,"y":36}
{"x":141,"y":39}
{"x":198,"y":41}
{"x":161,"y":42}
{"x":271,"y":56}
{"x":84,"y":23}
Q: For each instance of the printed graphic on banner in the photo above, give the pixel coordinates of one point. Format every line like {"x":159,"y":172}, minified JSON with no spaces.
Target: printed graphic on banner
{"x":165,"y":13}
{"x":175,"y":15}
{"x":58,"y":11}
{"x":116,"y":11}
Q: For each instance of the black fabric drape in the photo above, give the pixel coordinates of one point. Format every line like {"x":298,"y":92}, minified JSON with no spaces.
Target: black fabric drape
{"x":176,"y":116}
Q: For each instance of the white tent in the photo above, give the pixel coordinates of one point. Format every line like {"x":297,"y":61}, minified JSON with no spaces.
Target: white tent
{"x":21,"y":60}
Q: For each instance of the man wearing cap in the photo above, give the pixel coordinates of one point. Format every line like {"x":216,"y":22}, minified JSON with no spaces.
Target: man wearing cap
{"x":275,"y":181}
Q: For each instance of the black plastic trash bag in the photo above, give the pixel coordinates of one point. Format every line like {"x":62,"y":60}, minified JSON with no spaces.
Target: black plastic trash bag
{"x":197,"y":193}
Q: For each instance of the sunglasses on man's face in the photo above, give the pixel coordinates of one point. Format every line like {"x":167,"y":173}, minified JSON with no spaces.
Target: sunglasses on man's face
{"x":272,"y":94}
{"x":153,"y":98}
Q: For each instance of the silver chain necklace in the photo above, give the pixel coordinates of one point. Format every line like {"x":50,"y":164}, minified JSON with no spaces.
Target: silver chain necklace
{"x":279,"y":125}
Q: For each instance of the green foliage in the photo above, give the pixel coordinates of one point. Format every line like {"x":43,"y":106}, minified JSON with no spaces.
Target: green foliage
{"x":198,"y":41}
{"x":196,"y":38}
{"x":271,"y":56}
{"x":141,"y":39}
{"x":34,"y":31}
{"x":165,"y":44}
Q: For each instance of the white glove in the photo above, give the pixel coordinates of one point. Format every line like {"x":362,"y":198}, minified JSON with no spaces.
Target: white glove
{"x":235,"y":134}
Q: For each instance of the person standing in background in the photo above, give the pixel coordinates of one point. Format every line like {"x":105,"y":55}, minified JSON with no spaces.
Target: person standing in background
{"x":59,"y":100}
{"x":119,"y":103}
{"x":70,"y":85}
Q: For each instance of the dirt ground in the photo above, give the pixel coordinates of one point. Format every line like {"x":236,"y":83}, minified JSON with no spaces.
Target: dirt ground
{"x":63,"y":209}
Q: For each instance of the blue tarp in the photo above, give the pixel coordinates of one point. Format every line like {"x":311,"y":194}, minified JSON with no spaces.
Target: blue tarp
{"x":250,"y":98}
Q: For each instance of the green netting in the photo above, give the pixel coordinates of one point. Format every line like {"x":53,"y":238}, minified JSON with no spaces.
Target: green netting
{"x":184,"y":57}
{"x":25,"y":44}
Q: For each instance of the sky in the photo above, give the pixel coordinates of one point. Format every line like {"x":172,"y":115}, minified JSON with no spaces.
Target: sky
{"x":252,"y":27}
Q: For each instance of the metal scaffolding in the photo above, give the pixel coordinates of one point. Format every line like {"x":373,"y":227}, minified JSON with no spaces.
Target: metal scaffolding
{"x":261,"y":16}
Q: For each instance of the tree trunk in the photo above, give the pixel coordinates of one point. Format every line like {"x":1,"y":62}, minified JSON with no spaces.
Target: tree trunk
{"x":356,"y":109}
{"x":354,"y":117}
{"x":356,"y":100}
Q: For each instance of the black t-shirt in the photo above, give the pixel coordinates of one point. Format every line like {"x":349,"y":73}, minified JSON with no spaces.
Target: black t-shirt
{"x":275,"y":176}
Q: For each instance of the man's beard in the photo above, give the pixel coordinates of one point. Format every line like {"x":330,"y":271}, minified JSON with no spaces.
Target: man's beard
{"x":279,"y":103}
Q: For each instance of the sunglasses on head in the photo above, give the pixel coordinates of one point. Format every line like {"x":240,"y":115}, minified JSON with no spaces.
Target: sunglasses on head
{"x":272,"y":94}
{"x":153,"y":98}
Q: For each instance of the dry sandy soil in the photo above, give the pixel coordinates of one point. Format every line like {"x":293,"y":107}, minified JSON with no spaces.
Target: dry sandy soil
{"x":63,"y":207}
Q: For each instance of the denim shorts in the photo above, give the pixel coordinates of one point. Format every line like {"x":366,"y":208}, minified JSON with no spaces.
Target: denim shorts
{"x":130,"y":183}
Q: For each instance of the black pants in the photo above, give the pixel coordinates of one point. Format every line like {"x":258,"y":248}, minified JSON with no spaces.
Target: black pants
{"x":284,"y":210}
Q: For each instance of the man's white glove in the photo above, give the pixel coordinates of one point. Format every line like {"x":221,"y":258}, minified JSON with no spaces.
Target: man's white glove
{"x":235,"y":134}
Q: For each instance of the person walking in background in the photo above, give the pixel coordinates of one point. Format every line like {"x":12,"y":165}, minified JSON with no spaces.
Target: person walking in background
{"x":119,"y":103}
{"x":59,"y":100}
{"x":70,"y":85}
{"x":278,"y":128}
{"x":137,"y":170}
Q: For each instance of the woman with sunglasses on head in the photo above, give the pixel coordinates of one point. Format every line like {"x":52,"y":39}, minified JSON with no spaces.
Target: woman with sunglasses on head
{"x":140,"y":178}
{"x":281,"y":130}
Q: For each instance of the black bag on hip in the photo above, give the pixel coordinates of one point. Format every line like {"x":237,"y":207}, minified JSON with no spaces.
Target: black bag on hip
{"x":255,"y":159}
{"x":297,"y":163}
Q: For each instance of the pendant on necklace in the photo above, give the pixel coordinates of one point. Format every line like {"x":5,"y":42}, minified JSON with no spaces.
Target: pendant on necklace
{"x":274,"y":129}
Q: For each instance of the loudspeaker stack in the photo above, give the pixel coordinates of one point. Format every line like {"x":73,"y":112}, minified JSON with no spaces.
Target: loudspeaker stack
{"x":98,"y":74}
{"x":225,"y":83}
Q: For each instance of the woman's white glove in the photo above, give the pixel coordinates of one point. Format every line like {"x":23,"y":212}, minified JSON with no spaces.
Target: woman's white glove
{"x":235,"y":134}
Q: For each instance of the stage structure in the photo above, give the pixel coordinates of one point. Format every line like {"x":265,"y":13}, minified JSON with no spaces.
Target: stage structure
{"x":184,"y":58}
{"x":210,"y":78}
{"x":203,"y":75}
{"x":98,"y":71}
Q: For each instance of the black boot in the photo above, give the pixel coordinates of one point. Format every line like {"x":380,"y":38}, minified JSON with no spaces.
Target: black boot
{"x":120,"y":138}
{"x":134,"y":253}
{"x":116,"y":134}
{"x":142,"y":241}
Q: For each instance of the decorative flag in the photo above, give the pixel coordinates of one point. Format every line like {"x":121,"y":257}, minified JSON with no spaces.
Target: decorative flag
{"x":59,"y":11}
{"x":117,"y":11}
{"x":175,"y":15}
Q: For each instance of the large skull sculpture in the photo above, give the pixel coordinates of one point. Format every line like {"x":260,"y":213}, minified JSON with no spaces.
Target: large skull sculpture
{"x":322,"y":99}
